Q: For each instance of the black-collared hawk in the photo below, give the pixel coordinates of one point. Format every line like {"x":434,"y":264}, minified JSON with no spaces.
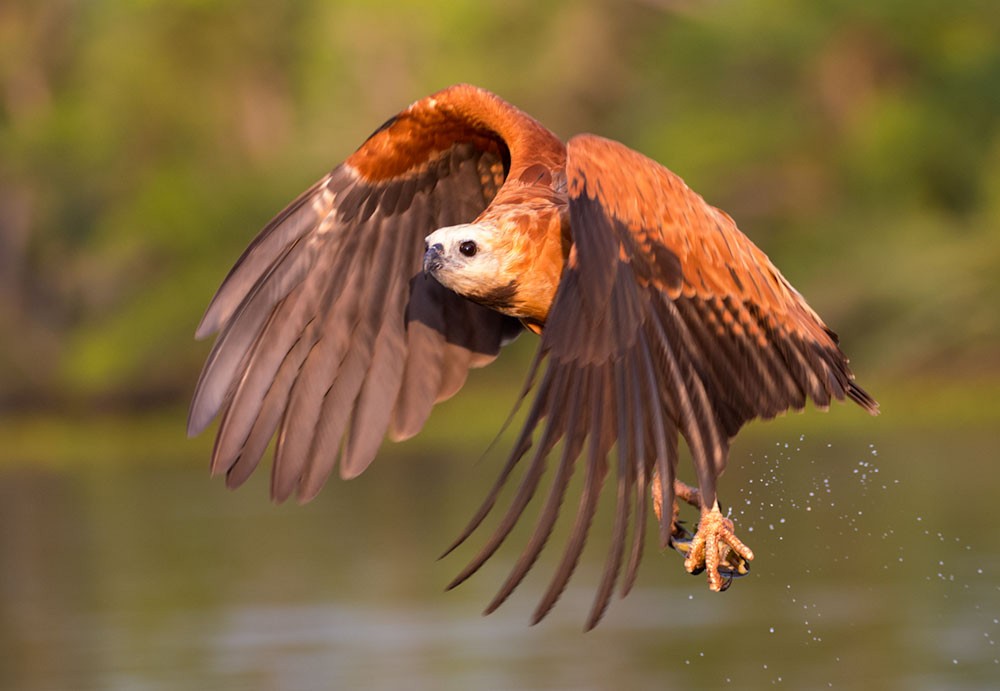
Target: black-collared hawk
{"x":457,"y":224}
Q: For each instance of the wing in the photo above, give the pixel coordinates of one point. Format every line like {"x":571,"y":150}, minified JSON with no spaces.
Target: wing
{"x":667,"y":321}
{"x":329,"y":333}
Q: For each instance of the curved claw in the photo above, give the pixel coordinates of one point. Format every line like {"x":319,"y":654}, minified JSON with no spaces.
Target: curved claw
{"x":715,"y":549}
{"x":731,"y":566}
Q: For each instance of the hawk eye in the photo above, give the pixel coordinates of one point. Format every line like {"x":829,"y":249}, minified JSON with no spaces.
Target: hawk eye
{"x":468,"y":248}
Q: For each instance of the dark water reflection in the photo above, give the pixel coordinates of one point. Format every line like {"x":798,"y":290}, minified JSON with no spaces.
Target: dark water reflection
{"x":878,"y":566}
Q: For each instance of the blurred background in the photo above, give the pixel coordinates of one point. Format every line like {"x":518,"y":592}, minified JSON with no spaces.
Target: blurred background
{"x":143,"y":144}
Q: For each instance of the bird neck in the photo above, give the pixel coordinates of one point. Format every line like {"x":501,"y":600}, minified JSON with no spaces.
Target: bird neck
{"x":532,"y":222}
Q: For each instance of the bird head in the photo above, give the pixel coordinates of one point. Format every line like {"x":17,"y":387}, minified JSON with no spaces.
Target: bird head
{"x":467,"y":258}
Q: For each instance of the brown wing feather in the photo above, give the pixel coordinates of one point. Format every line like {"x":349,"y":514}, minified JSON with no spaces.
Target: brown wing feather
{"x":328,"y":334}
{"x":596,"y":368}
{"x":747,"y":343}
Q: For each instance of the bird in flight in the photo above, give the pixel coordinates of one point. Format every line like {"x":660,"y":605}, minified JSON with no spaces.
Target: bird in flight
{"x":461,"y":222}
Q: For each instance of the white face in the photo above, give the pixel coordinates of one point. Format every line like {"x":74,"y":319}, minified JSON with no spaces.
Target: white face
{"x":464,"y":259}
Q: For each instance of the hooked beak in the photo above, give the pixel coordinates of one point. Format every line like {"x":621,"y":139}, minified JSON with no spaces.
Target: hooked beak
{"x":433,"y":258}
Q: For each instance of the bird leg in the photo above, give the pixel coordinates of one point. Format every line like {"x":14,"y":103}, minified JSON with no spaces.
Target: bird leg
{"x":691,"y":495}
{"x":714,"y":547}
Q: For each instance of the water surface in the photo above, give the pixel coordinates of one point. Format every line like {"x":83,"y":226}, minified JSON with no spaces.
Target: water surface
{"x":877,"y":567}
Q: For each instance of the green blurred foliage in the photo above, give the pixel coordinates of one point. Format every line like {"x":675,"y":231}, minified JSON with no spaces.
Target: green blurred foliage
{"x":143,"y":143}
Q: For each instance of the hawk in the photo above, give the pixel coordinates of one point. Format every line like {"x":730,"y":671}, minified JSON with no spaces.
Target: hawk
{"x":460,"y":223}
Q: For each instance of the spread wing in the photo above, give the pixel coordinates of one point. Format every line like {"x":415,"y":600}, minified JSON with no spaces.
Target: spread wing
{"x":667,"y":321}
{"x":329,"y":333}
